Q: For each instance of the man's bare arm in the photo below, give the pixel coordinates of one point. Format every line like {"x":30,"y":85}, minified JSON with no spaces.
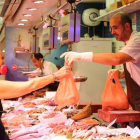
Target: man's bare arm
{"x":112,"y":58}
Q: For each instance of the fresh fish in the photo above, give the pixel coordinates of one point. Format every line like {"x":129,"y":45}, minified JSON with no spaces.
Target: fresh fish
{"x":81,"y":134}
{"x":88,"y":133}
{"x":17,"y":134}
{"x":29,"y":136}
{"x":94,"y":130}
{"x":101,"y":129}
{"x":74,"y":133}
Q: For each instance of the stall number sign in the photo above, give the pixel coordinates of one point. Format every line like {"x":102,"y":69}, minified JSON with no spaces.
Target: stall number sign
{"x":14,"y":67}
{"x":69,"y":122}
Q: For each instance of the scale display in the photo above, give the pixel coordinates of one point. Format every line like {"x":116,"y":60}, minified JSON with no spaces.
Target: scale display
{"x":50,"y":38}
{"x":70,"y":28}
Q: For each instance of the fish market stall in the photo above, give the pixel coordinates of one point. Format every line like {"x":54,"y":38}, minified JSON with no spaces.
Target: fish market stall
{"x":42,"y":119}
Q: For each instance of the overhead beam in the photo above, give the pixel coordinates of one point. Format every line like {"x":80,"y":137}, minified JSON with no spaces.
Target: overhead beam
{"x":5,"y":6}
{"x":94,"y":1}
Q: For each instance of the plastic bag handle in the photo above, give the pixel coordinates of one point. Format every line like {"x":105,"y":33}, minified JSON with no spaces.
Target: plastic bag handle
{"x":66,"y":64}
{"x":115,"y":78}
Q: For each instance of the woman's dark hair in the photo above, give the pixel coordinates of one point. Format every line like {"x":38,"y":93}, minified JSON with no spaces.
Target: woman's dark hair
{"x":38,"y":56}
{"x":125,"y":18}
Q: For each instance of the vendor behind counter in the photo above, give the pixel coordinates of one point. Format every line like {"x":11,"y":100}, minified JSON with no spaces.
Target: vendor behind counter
{"x":46,"y":68}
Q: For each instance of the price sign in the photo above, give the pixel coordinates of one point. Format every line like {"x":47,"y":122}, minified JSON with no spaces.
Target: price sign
{"x":69,"y":122}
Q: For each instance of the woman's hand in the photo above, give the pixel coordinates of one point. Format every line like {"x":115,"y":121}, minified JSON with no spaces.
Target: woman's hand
{"x":64,"y":71}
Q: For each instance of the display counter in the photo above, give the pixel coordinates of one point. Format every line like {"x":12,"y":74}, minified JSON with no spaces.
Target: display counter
{"x":40,"y":119}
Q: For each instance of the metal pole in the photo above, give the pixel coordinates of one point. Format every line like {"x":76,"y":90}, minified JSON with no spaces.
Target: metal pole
{"x":57,"y":10}
{"x":43,"y":61}
{"x":69,"y":47}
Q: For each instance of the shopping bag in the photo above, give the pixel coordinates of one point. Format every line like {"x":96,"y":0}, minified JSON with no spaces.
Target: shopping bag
{"x":113,"y":96}
{"x":67,"y":93}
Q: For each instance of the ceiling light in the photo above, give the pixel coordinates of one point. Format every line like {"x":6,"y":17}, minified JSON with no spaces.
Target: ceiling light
{"x":45,"y":25}
{"x":27,"y":15}
{"x":58,"y":38}
{"x":32,"y":9}
{"x":39,"y":1}
{"x":24,"y":19}
{"x":21,"y":24}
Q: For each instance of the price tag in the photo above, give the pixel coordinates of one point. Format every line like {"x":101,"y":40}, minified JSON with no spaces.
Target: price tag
{"x":69,"y":122}
{"x":129,"y":130}
{"x":54,"y":108}
{"x":19,"y":99}
{"x":137,"y":129}
{"x":135,"y":133}
{"x":49,"y":136}
{"x":18,"y":107}
{"x":111,"y":123}
{"x":22,"y":126}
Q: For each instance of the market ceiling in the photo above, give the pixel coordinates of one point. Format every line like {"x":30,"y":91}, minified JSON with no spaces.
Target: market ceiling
{"x":1,"y":4}
{"x":15,"y":11}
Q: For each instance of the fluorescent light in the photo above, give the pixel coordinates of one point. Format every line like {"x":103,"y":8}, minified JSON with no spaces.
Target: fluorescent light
{"x":45,"y":25}
{"x":39,"y":1}
{"x":24,"y":19}
{"x":28,"y":15}
{"x":21,"y":24}
{"x":32,"y":9}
